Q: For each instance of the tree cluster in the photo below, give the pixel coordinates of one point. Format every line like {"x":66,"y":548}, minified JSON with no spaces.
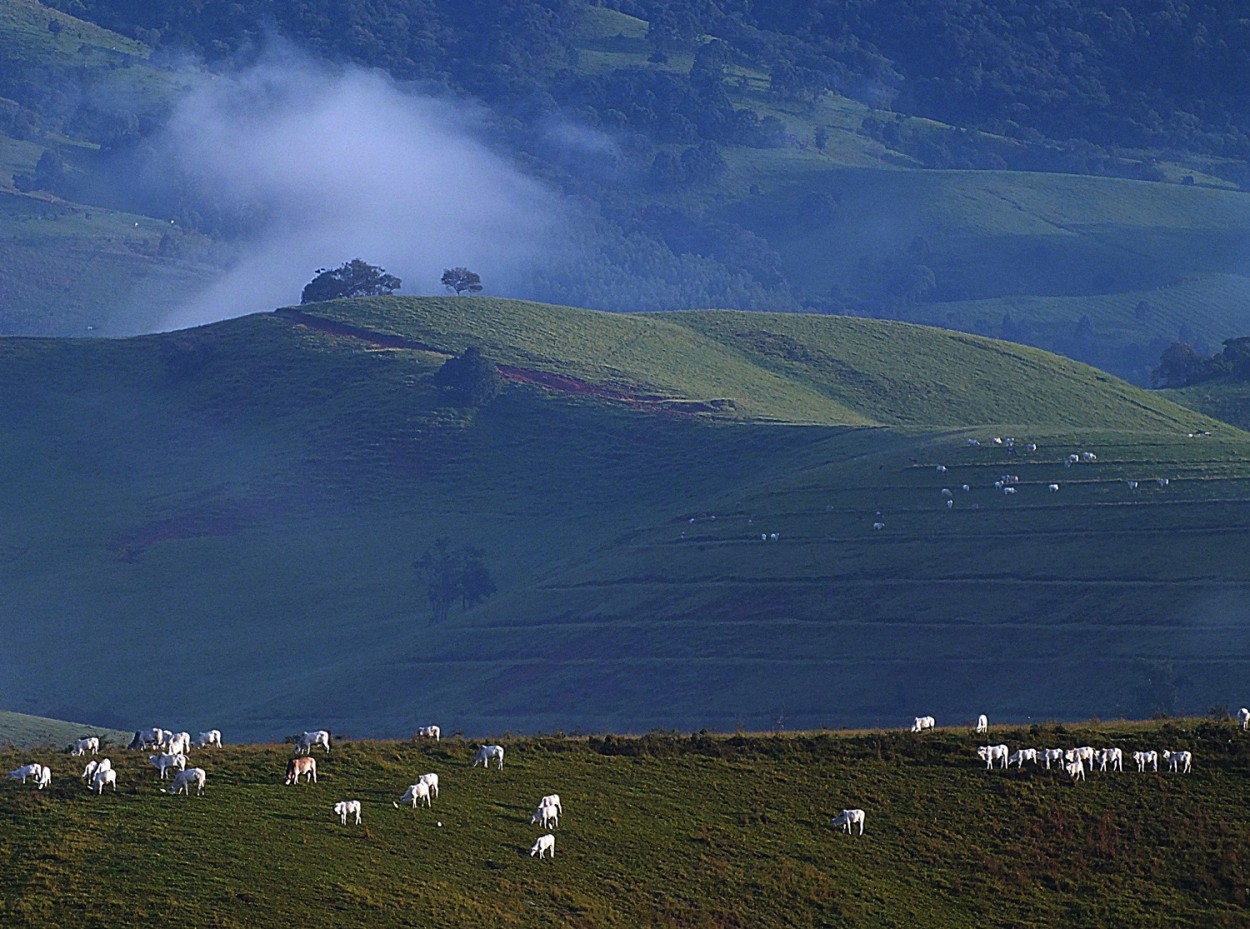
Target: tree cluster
{"x":1181,"y":364}
{"x":355,"y":278}
{"x":450,"y":574}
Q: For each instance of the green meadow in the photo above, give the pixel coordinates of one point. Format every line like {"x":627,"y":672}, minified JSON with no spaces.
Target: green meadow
{"x":666,"y":829}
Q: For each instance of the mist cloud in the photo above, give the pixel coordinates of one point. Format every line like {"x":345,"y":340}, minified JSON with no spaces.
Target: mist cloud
{"x":339,"y":164}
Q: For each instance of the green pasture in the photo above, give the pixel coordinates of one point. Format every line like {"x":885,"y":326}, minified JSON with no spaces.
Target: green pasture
{"x":666,"y":829}
{"x":242,"y":503}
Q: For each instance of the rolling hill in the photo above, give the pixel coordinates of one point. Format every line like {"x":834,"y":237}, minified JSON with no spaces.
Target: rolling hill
{"x":661,"y":830}
{"x":216,"y":527}
{"x":1103,"y":269}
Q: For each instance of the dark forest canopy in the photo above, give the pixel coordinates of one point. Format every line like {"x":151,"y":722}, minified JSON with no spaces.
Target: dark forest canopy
{"x":1162,"y":73}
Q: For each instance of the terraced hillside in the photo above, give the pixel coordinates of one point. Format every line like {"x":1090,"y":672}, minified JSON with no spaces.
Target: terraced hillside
{"x":242,"y":504}
{"x":663,"y":830}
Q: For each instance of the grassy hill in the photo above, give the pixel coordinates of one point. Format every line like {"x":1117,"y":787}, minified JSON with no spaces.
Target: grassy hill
{"x":21,"y":731}
{"x":663,"y":830}
{"x":235,"y":509}
{"x":1102,"y":269}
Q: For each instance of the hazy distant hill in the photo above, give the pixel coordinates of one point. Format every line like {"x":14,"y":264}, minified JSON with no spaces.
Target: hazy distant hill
{"x":244,"y":502}
{"x":689,"y":156}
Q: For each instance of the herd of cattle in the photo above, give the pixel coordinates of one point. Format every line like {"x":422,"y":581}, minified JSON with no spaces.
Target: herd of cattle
{"x":171,"y":750}
{"x":171,"y":753}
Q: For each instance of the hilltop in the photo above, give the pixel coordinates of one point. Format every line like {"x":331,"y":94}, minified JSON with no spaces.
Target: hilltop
{"x":667,"y":829}
{"x":702,"y":155}
{"x":244,"y":503}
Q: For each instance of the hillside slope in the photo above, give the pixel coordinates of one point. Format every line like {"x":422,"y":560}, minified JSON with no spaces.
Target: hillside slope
{"x":246,"y":501}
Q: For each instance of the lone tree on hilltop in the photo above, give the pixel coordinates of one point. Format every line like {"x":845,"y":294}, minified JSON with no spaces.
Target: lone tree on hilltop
{"x":461,"y":279}
{"x":471,"y":378}
{"x":356,"y":278}
{"x":453,"y":574}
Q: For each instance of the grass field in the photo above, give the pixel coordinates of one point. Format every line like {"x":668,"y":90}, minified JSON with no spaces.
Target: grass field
{"x":664,"y":830}
{"x":245,"y":501}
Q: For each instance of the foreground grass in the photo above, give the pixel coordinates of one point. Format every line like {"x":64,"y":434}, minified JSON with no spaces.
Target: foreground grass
{"x":660,"y":830}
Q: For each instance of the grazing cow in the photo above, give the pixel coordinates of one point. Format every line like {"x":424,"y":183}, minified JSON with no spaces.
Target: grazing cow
{"x":178,"y":743}
{"x":1111,"y":756}
{"x":847,"y":818}
{"x":309,"y":740}
{"x":991,"y":753}
{"x":82,"y":746}
{"x":93,"y":767}
{"x":1031,"y":447}
{"x":1163,"y":481}
{"x":345,"y":808}
{"x":1084,"y":754}
{"x":1132,"y":485}
{"x":211,"y":737}
{"x":1075,"y":769}
{"x":1146,"y":758}
{"x":946,"y":492}
{"x":26,"y":770}
{"x":547,"y":814}
{"x":983,"y":724}
{"x":1243,"y":718}
{"x":546,"y":843}
{"x":1019,"y":757}
{"x":306,"y":766}
{"x":922,"y":723}
{"x":965,"y":487}
{"x":1088,"y":456}
{"x":1179,"y":761}
{"x":184,"y":779}
{"x":415,"y":792}
{"x":1052,"y":754}
{"x":430,"y":781}
{"x":878,"y":525}
{"x":429,"y":732}
{"x":1009,"y":490}
{"x":102,"y":778}
{"x":147,"y":738}
{"x":972,"y":443}
{"x":940,"y":469}
{"x":168,"y":760}
{"x":1053,"y":488}
{"x":551,"y":800}
{"x":486,"y":753}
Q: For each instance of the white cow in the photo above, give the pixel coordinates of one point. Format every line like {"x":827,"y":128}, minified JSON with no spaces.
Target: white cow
{"x":430,"y":781}
{"x":1019,"y":757}
{"x":168,"y":760}
{"x":1052,"y":754}
{"x":551,"y":800}
{"x":546,"y":843}
{"x":548,"y":815}
{"x":311,"y":739}
{"x":1084,"y":754}
{"x":41,"y":773}
{"x":1075,"y":769}
{"x":83,"y":746}
{"x":1243,"y":718}
{"x":179,"y":743}
{"x":1053,"y":488}
{"x":1146,"y":758}
{"x":1179,"y":761}
{"x":184,"y":779}
{"x":991,"y":753}
{"x":1112,"y":757}
{"x":211,"y":737}
{"x":878,"y":525}
{"x":429,"y":732}
{"x":345,"y":808}
{"x":93,"y":767}
{"x":486,"y":753}
{"x":415,"y":792}
{"x":983,"y":723}
{"x":922,"y":723}
{"x":102,"y":779}
{"x":847,"y":818}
